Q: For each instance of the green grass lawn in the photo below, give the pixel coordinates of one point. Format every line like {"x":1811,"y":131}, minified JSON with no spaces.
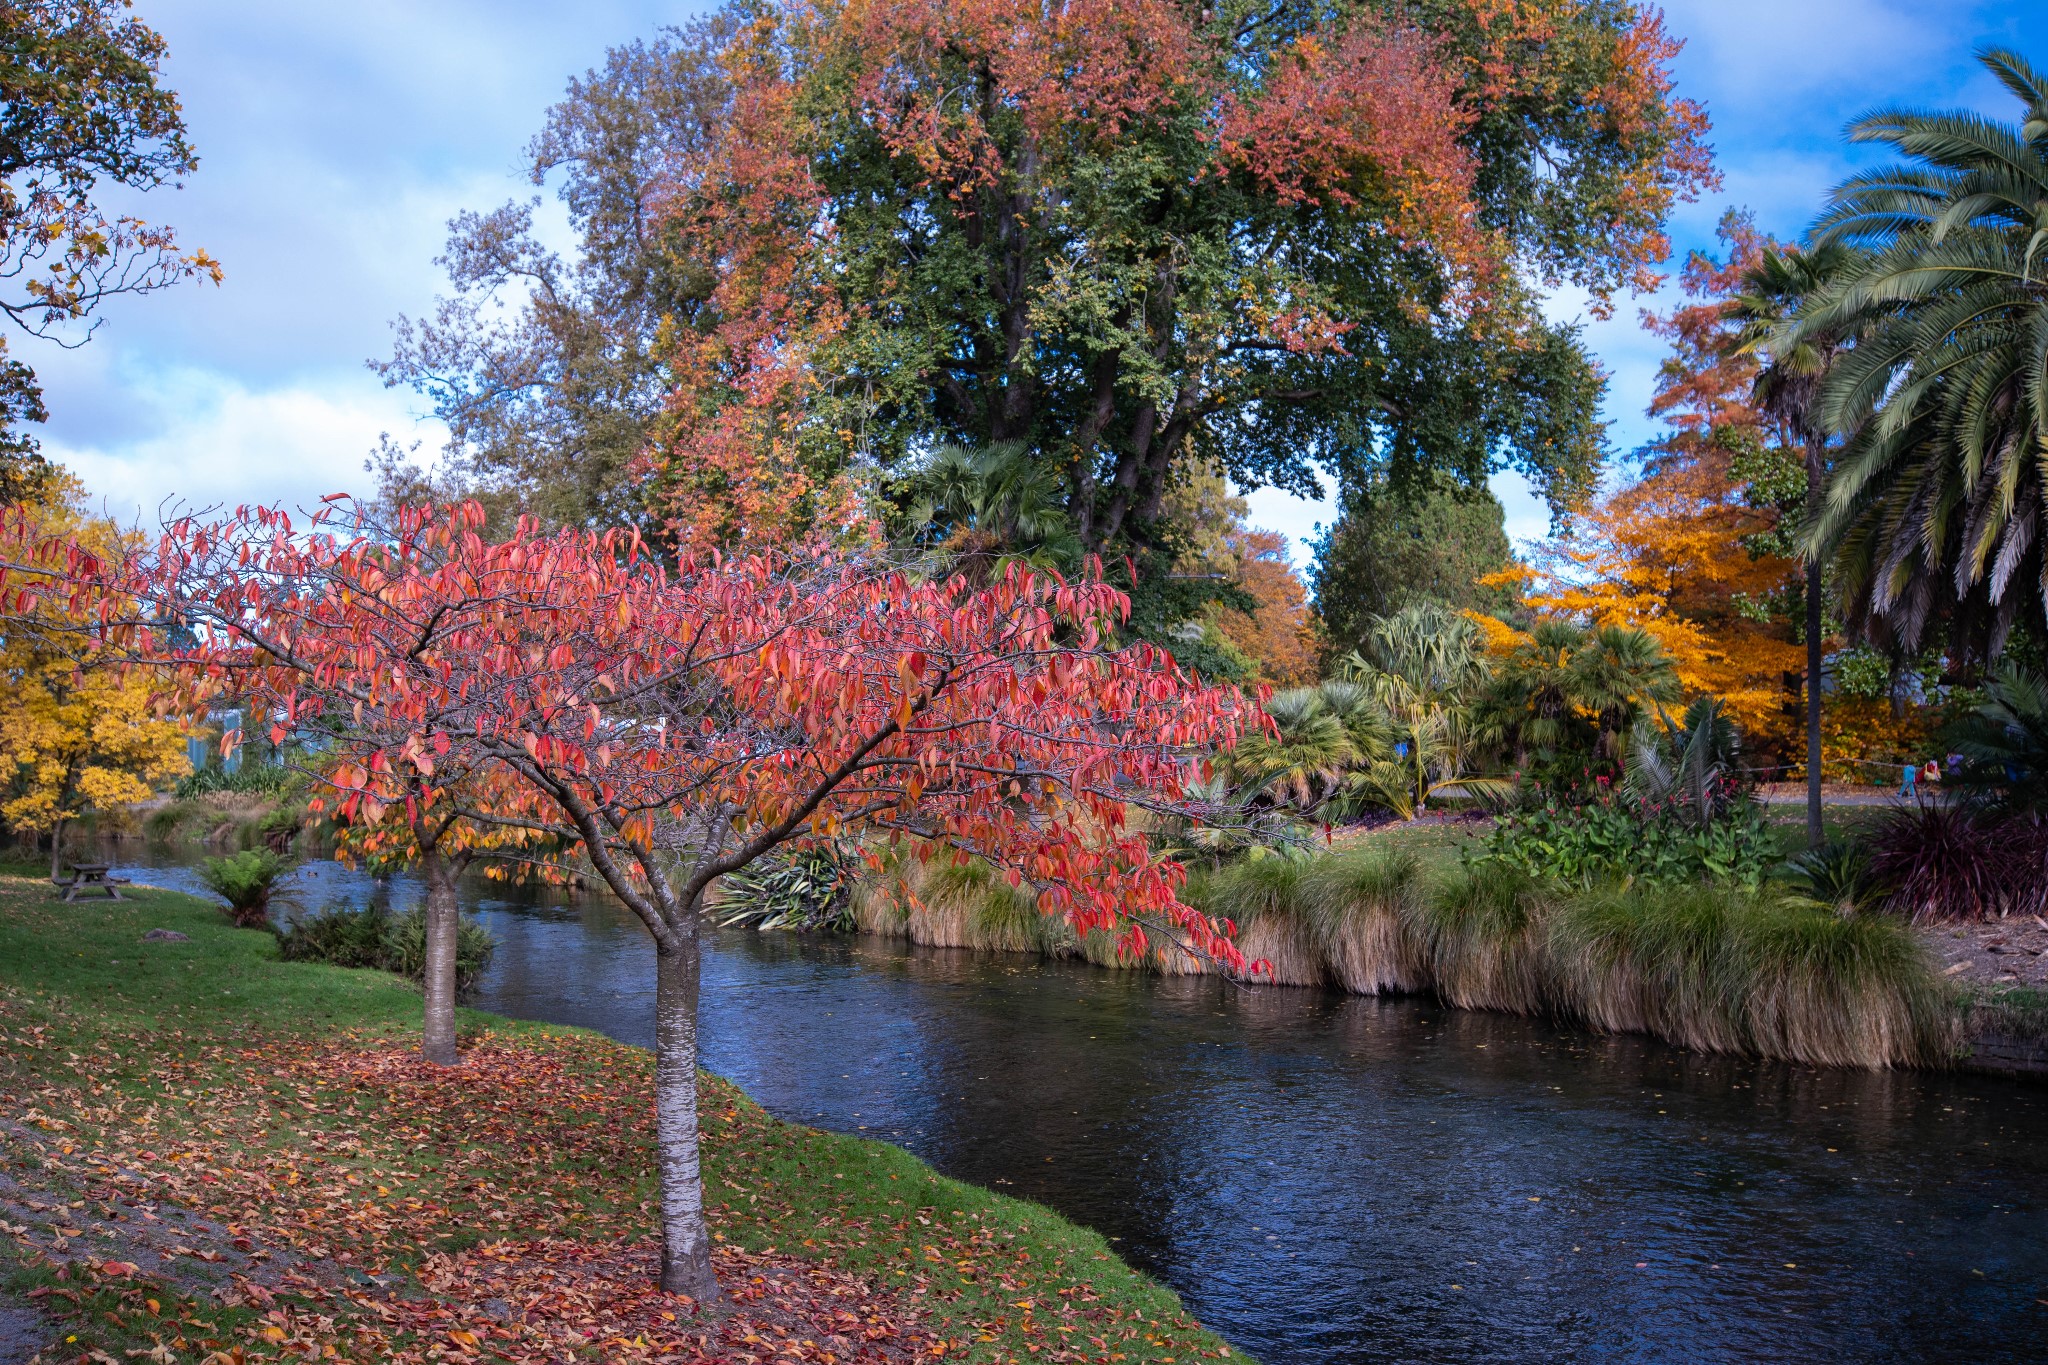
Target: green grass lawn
{"x":209,"y":1076}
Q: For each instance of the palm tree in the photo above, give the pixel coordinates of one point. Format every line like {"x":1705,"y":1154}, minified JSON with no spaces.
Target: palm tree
{"x":1563,"y":672}
{"x":1423,"y":668}
{"x":1325,"y":737}
{"x":1305,"y":759}
{"x":1793,"y":364}
{"x":1535,"y":687}
{"x":2004,"y":744}
{"x":984,"y":508}
{"x":1614,"y":670}
{"x":1937,"y":497}
{"x":1692,"y":761}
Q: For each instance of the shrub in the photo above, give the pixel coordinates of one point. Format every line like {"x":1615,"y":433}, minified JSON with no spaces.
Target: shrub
{"x":1948,"y":863}
{"x":1615,"y":837}
{"x":2004,"y":744}
{"x":808,"y":888}
{"x":1839,"y":875}
{"x":261,"y":779}
{"x":245,"y":881}
{"x":374,"y":937}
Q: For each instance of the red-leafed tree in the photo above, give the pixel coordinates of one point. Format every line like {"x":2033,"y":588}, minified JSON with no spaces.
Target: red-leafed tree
{"x":671,"y":724}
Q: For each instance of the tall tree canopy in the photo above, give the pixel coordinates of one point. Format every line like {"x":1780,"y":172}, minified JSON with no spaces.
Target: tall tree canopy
{"x":544,"y":369}
{"x":77,"y":732}
{"x":1127,"y":233}
{"x":1695,"y":551}
{"x":845,"y":235}
{"x":79,"y":107}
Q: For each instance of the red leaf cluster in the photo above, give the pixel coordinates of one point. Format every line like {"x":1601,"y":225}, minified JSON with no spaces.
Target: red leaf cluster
{"x":571,"y":688}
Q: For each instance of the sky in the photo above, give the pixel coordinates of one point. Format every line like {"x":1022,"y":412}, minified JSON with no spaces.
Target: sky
{"x":336,"y":141}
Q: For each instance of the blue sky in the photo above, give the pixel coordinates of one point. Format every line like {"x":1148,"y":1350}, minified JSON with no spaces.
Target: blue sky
{"x":337,"y":140}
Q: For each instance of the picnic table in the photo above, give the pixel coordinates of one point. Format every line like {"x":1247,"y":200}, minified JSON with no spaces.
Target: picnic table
{"x":88,"y":877}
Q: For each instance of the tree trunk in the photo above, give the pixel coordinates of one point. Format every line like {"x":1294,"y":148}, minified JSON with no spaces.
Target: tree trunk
{"x":437,"y":1039}
{"x":1813,"y":654}
{"x":56,"y":850}
{"x":685,"y":1239}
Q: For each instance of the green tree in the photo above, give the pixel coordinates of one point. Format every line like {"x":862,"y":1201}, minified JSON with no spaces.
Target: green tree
{"x":1393,"y":547}
{"x":1275,"y":238}
{"x":80,"y":109}
{"x":1935,"y":504}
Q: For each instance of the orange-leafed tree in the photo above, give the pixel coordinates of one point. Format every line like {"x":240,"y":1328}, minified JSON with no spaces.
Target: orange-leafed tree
{"x":1278,"y":632}
{"x":670,"y":724}
{"x":1693,"y":551}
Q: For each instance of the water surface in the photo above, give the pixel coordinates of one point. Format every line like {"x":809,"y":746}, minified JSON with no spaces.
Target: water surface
{"x":1328,"y":1178}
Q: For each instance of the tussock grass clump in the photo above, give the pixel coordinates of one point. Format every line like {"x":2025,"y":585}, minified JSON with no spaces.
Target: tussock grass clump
{"x":943,"y":904}
{"x":1342,"y":919}
{"x":1713,"y":968}
{"x":1480,"y":935}
{"x":1725,"y":970}
{"x":1362,"y":903}
{"x":1264,"y":898}
{"x":1627,"y":961}
{"x":1838,"y":990}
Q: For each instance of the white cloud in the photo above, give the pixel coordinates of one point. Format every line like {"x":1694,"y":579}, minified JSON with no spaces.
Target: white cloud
{"x":1766,"y":52}
{"x":210,"y":440}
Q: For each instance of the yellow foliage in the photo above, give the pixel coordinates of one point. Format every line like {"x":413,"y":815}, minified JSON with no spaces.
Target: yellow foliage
{"x":1497,"y":638}
{"x":75,"y":733}
{"x":1667,"y":556}
{"x":1862,"y":741}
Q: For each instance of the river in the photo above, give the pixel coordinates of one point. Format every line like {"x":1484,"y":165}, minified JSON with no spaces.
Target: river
{"x":1326,"y":1178}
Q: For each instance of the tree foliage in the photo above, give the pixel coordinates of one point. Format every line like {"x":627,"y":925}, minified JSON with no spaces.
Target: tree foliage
{"x":77,"y":733}
{"x":80,"y":109}
{"x":671,"y":724}
{"x":547,"y":370}
{"x":1936,"y":502}
{"x":1129,"y":235}
{"x":1695,"y":552}
{"x":1392,"y":547}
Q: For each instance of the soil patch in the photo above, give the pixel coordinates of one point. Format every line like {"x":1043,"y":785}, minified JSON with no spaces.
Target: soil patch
{"x":2000,"y":952}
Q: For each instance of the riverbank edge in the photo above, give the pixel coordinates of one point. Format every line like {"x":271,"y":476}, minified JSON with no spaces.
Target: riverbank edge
{"x":1375,"y":922}
{"x":54,"y":955}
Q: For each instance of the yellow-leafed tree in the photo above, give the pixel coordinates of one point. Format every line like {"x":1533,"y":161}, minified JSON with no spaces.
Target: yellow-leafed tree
{"x":1696,"y":551}
{"x":76,"y":735}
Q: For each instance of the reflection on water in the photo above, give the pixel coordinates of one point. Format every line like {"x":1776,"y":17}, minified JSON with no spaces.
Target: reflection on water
{"x":1325,"y":1178}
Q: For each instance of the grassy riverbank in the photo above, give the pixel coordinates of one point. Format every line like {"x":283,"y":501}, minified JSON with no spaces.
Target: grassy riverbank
{"x":1709,"y":968}
{"x":210,"y":1151}
{"x":1713,"y":969}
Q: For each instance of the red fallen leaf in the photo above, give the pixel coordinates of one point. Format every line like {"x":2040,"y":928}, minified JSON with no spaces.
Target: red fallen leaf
{"x":119,"y":1270}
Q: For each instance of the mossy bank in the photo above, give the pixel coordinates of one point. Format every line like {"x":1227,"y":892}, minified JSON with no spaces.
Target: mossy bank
{"x":209,"y":1150}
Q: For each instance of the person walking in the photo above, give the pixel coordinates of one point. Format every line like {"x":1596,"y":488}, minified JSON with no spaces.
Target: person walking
{"x":1907,"y":791}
